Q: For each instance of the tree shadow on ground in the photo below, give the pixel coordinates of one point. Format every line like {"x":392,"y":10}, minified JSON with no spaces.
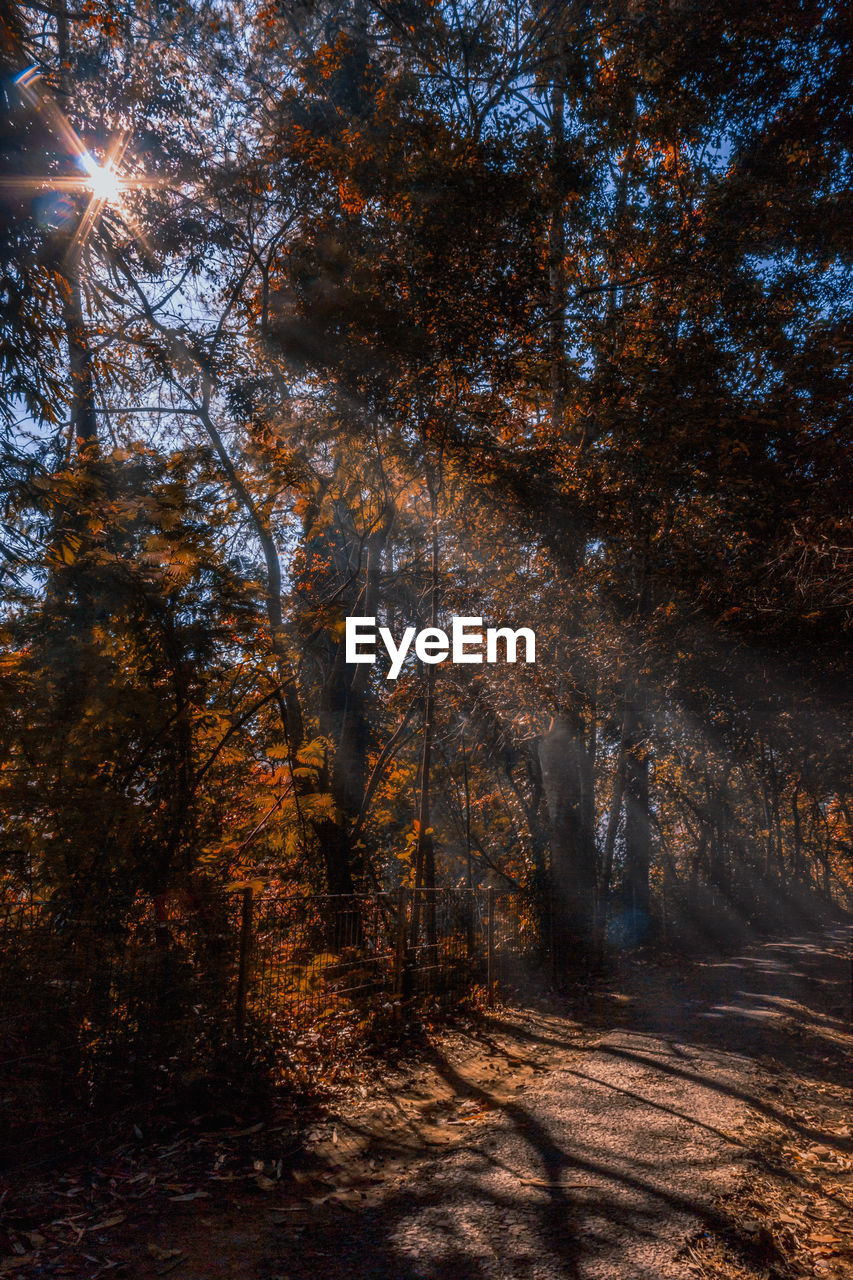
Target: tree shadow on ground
{"x":473,"y":1215}
{"x":453,"y":1223}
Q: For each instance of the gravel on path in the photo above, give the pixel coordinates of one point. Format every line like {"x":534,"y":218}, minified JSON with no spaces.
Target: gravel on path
{"x":605,"y":1165}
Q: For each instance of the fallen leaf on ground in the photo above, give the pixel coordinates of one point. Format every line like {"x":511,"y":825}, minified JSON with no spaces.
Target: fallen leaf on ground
{"x":108,"y":1222}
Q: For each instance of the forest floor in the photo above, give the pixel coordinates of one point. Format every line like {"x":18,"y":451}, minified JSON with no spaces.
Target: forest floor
{"x":690,"y":1120}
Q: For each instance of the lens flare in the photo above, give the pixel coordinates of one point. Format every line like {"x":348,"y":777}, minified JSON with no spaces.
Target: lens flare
{"x":101,"y":184}
{"x":103,"y":181}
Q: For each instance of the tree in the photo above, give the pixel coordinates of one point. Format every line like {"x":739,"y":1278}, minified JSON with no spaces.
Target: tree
{"x":389,"y":288}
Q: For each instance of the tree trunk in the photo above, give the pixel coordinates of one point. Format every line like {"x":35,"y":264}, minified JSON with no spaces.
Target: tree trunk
{"x":637,"y":828}
{"x":777,"y":821}
{"x":797,"y":867}
{"x":344,"y":719}
{"x":718,"y":870}
{"x":346,"y":708}
{"x":557,"y":254}
{"x":84,"y":426}
{"x":613,"y":816}
{"x":562,"y":754}
{"x":425,"y":847}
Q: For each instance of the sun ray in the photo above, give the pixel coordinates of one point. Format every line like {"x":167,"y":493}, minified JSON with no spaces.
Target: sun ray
{"x":102,"y":181}
{"x":33,"y":90}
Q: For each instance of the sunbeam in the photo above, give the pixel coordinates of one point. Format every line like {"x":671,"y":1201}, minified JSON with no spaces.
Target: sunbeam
{"x":103,"y":181}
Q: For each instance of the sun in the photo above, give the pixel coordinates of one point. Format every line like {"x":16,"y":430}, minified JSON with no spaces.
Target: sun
{"x":103,"y":181}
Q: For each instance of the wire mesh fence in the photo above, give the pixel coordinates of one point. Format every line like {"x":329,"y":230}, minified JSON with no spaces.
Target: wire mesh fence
{"x":100,"y":1010}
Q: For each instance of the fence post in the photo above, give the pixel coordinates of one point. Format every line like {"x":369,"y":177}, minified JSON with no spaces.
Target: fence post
{"x":490,"y":971}
{"x":400,"y":945}
{"x":665,"y":921}
{"x":246,"y":913}
{"x":470,"y":946}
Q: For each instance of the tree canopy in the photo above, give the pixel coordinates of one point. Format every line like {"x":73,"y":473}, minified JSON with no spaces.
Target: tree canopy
{"x":538,"y":313}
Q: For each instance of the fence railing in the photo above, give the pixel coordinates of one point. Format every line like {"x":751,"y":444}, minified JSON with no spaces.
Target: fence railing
{"x":95,"y":1012}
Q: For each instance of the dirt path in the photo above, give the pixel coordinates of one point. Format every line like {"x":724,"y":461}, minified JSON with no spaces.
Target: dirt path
{"x":605,"y":1165}
{"x":537,"y":1149}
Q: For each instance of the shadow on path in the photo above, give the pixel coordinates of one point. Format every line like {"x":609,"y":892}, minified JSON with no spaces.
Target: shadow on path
{"x":608,"y":1162}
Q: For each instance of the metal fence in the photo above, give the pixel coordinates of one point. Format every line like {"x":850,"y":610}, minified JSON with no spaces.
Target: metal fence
{"x":107,"y":1010}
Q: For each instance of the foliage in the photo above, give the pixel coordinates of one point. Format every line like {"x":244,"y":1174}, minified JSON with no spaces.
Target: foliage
{"x":407,"y":310}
